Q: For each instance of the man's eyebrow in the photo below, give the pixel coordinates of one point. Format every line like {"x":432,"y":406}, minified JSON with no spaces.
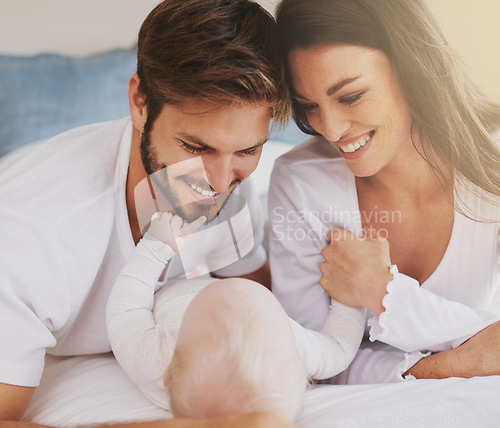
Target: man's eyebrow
{"x":193,"y":139}
{"x":199,"y":142}
{"x":259,"y":144}
{"x":332,"y":89}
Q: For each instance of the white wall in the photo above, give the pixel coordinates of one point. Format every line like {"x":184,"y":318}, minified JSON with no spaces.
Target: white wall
{"x":472,"y":28}
{"x":78,"y":27}
{"x":82,"y":27}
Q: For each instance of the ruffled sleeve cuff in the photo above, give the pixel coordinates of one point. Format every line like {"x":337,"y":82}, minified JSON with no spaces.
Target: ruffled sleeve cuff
{"x":416,"y":319}
{"x":397,"y":288}
{"x":410,"y":360}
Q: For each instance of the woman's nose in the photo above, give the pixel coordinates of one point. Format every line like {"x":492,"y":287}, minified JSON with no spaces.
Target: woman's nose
{"x":333,"y":126}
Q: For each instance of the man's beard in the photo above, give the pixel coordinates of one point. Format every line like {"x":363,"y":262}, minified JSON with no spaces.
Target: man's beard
{"x":157,"y":172}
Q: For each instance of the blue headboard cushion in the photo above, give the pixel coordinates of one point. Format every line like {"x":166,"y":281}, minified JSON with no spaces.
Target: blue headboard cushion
{"x":289,"y":134}
{"x":43,"y":95}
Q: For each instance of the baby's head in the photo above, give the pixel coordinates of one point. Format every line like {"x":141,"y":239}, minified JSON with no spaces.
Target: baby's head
{"x":235,"y":354}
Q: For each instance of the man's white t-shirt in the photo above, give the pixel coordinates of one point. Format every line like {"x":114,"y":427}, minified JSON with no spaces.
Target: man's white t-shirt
{"x":65,"y":237}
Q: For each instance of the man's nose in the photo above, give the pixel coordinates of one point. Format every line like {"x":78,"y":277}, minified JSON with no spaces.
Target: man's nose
{"x":220,"y":173}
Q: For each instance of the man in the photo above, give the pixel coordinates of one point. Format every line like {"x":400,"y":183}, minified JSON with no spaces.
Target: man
{"x":208,"y":81}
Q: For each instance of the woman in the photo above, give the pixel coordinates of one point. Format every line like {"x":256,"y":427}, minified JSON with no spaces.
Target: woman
{"x":408,"y":180}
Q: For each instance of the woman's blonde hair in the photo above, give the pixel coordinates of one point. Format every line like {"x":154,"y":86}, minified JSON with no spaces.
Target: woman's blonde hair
{"x":452,"y":119}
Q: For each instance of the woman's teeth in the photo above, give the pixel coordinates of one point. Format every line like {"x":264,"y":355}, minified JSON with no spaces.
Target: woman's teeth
{"x":202,"y":192}
{"x":350,"y":148}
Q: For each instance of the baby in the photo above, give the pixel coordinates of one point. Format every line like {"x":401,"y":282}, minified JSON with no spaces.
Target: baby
{"x":235,"y":353}
{"x":209,"y":348}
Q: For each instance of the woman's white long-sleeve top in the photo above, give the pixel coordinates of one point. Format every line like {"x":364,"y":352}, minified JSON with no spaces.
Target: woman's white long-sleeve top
{"x":313,"y":191}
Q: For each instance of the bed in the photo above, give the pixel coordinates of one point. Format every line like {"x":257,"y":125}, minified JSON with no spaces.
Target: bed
{"x":44,"y":94}
{"x":93,"y":389}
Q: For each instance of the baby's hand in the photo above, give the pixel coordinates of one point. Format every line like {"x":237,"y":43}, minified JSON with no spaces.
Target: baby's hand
{"x":169,"y":229}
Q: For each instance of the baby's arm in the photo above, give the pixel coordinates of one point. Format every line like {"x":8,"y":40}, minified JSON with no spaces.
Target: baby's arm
{"x":142,"y":347}
{"x":330,"y":350}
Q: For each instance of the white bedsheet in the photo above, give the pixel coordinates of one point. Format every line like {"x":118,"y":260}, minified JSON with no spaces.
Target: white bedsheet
{"x":93,"y":389}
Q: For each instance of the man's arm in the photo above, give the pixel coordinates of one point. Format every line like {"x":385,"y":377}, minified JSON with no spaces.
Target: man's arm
{"x":14,"y":401}
{"x":261,"y":275}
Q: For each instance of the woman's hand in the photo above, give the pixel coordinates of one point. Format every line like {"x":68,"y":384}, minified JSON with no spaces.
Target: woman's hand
{"x":169,"y":229}
{"x":356,"y":269}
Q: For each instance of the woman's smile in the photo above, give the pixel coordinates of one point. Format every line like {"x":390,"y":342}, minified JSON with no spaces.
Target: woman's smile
{"x":354,"y":147}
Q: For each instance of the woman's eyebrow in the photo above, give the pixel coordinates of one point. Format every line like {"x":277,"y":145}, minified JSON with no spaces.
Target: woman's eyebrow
{"x":332,"y":89}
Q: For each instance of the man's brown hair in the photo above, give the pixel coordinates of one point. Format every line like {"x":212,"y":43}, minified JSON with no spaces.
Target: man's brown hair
{"x":210,"y":50}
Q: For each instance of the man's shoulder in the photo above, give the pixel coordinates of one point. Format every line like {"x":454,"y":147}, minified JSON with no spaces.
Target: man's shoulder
{"x":81,"y":152}
{"x":59,"y":207}
{"x":70,"y":177}
{"x":100,"y":135}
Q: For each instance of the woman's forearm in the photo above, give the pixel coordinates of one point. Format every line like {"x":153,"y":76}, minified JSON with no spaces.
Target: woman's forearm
{"x":435,"y":366}
{"x":478,"y":356}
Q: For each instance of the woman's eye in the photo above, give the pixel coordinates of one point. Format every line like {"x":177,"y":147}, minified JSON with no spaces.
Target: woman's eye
{"x":351,"y":99}
{"x":307,"y":108}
